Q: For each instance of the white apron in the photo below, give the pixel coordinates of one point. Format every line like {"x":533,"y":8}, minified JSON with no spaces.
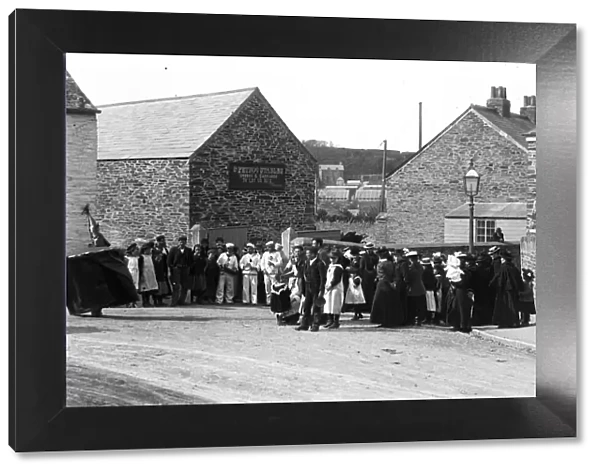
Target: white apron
{"x":355,"y":294}
{"x":334,"y":298}
{"x":148,"y":277}
{"x":134,"y":270}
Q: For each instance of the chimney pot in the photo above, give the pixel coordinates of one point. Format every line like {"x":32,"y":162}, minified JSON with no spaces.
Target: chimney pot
{"x":499,"y":102}
{"x":529,"y":108}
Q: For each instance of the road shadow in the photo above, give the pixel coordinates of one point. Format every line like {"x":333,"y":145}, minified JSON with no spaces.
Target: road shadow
{"x":162,"y":317}
{"x":493,"y":328}
{"x":76,"y":330}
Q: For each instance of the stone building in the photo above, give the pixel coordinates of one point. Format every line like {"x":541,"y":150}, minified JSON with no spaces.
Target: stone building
{"x":428,"y":186}
{"x":223,"y":164}
{"x":82,"y":150}
{"x":329,"y":174}
{"x":528,"y":242}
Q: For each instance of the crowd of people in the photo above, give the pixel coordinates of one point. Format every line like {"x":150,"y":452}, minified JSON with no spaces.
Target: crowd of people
{"x":315,"y":285}
{"x":221,"y":274}
{"x":402,"y":287}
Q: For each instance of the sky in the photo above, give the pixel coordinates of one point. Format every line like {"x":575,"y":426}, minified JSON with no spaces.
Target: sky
{"x":351,"y":103}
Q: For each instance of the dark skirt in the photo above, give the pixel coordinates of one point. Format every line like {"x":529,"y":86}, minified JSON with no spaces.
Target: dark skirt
{"x":386,"y":308}
{"x":369,"y":285}
{"x":506,"y":309}
{"x":199,"y":283}
{"x":527,"y":307}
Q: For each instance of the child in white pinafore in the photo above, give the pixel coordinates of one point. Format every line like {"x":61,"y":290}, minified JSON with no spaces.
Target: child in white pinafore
{"x":334,"y":291}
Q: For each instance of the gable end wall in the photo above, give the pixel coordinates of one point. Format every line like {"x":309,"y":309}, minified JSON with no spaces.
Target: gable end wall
{"x":421,"y":193}
{"x":253,"y":134}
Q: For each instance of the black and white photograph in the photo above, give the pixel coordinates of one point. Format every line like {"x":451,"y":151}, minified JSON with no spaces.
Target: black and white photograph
{"x":246,"y":230}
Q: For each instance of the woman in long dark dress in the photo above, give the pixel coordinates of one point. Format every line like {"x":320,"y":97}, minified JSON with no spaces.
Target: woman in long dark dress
{"x":198,"y":273}
{"x":483,"y":308}
{"x":368,"y":275}
{"x":400,"y":270}
{"x":460,"y":302}
{"x":507,"y":284}
{"x":212,"y":277}
{"x":385,"y":309}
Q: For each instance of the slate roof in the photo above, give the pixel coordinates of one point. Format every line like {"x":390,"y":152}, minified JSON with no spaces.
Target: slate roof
{"x":515,"y":126}
{"x":499,"y":210}
{"x":76,"y":100}
{"x":164,"y":128}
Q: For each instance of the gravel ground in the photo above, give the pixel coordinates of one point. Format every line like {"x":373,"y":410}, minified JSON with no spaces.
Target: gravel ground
{"x":236,"y":354}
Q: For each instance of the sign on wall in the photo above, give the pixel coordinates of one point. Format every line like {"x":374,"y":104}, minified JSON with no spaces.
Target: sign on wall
{"x":255,"y":176}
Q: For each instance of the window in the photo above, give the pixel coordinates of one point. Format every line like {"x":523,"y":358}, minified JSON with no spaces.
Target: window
{"x":484,"y":230}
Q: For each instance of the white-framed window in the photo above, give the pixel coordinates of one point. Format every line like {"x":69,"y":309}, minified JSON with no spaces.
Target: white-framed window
{"x":484,"y":230}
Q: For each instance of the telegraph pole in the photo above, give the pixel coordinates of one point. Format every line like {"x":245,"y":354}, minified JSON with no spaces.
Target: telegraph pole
{"x":383,"y":172}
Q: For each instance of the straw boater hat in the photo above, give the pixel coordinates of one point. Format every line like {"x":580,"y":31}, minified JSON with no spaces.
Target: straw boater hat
{"x":229,"y":245}
{"x":369,"y":246}
{"x":270,"y":244}
{"x":426,"y":261}
{"x":412,"y":254}
{"x":250,"y":245}
{"x":493,"y":250}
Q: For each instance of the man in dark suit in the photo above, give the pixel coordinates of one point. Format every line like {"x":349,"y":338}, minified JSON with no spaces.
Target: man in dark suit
{"x":314,"y":288}
{"x":180,"y":260}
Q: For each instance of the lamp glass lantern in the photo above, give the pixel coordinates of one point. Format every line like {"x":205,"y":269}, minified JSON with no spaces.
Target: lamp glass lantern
{"x":471,"y":180}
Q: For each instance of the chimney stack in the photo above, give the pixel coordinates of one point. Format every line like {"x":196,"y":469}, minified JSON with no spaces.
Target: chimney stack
{"x":499,"y":102}
{"x":528,"y":109}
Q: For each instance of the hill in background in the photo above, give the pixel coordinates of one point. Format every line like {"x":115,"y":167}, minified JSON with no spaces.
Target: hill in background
{"x":357,"y":162}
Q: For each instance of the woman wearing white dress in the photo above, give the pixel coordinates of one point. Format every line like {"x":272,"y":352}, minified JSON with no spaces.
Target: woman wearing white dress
{"x":148,"y":284}
{"x":334,"y":291}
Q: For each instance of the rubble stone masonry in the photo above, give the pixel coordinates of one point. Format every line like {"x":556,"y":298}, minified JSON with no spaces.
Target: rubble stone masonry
{"x":143,"y":198}
{"x":82,"y":144}
{"x":253,"y":134}
{"x":424,"y":190}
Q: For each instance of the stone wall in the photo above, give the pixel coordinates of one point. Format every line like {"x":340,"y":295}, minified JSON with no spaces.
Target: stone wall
{"x":431,"y":185}
{"x":254,"y":134}
{"x":374,"y":232}
{"x":143,"y":198}
{"x":82,"y":146}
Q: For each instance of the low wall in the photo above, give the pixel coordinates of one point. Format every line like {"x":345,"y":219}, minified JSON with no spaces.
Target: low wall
{"x":528,"y":254}
{"x":374,"y":232}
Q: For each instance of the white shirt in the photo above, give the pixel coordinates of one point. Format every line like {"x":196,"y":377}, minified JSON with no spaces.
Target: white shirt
{"x":271,"y":262}
{"x":250,"y":263}
{"x":227,"y":261}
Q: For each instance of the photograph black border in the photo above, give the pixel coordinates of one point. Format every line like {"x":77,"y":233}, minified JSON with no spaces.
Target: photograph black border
{"x":39,"y":420}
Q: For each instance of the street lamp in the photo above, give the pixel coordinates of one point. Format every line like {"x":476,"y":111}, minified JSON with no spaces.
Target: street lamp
{"x":471,"y":180}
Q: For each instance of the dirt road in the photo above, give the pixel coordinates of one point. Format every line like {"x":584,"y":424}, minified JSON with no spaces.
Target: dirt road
{"x":233,"y":354}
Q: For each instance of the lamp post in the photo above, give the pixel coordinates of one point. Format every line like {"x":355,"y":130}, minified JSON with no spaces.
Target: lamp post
{"x":471,"y":181}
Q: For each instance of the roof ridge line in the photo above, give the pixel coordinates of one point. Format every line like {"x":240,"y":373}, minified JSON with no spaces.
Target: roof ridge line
{"x":165,"y":99}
